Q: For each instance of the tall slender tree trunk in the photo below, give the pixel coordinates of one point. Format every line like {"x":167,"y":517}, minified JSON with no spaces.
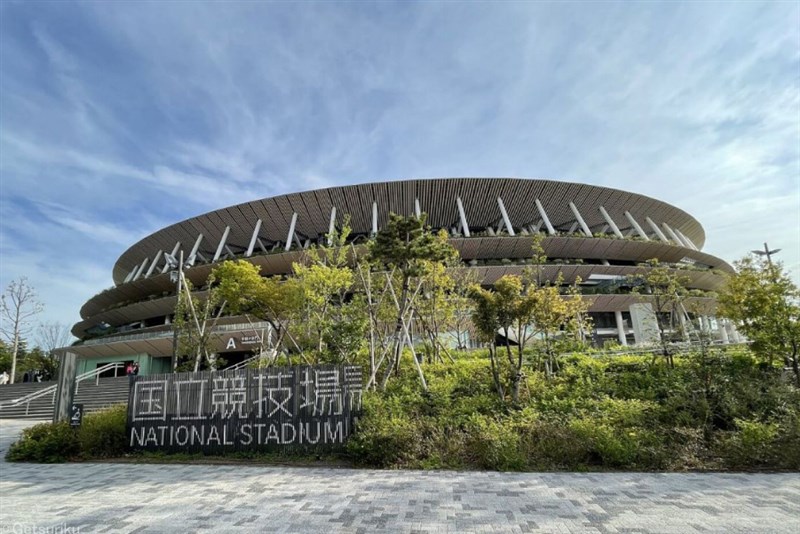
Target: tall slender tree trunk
{"x":14,"y":352}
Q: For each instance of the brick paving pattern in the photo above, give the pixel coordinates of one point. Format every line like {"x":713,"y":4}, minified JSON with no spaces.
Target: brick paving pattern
{"x":192,"y":498}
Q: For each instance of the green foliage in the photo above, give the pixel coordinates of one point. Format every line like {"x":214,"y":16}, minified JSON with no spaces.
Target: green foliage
{"x":764,"y":303}
{"x":666,"y":290}
{"x":101,"y":435}
{"x":45,"y":443}
{"x":408,"y":244}
{"x":332,"y":326}
{"x":598,"y":412}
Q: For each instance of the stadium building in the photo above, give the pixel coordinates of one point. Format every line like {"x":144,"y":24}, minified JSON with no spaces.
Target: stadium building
{"x":599,"y":234}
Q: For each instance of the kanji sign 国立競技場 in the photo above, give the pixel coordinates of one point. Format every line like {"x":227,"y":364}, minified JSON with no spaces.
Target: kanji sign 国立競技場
{"x":247,"y":409}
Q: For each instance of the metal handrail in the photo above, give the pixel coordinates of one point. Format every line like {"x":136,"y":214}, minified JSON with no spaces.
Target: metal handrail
{"x":169,"y":333}
{"x":243,"y":363}
{"x":26,"y":399}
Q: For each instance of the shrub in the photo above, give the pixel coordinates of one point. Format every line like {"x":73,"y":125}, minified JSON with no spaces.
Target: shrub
{"x":382,"y":438}
{"x":46,"y":443}
{"x":102,"y":434}
{"x":494,"y":444}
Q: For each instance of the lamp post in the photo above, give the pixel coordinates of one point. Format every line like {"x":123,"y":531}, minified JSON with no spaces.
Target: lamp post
{"x":766,"y":252}
{"x":176,"y":275}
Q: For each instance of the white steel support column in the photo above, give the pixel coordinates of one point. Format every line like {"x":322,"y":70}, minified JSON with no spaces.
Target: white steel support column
{"x":374,"y":218}
{"x":463,"y":216}
{"x":506,"y":220}
{"x":417,"y":211}
{"x":140,"y":269}
{"x":636,"y":226}
{"x":290,"y":235}
{"x":221,"y":245}
{"x":332,"y":226}
{"x":171,"y":255}
{"x":672,"y":234}
{"x":550,"y":229}
{"x":620,"y":328}
{"x":577,"y":214}
{"x":130,"y":275}
{"x":723,"y":333}
{"x":686,"y":240}
{"x":611,"y":222}
{"x":153,"y":265}
{"x":253,"y":239}
{"x":193,"y":254}
{"x":657,"y":230}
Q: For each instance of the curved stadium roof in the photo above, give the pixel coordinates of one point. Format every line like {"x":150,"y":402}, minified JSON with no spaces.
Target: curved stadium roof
{"x":436,"y":197}
{"x":580,"y":222}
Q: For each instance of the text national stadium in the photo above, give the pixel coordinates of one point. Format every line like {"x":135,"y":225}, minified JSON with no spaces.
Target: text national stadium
{"x":598,"y":234}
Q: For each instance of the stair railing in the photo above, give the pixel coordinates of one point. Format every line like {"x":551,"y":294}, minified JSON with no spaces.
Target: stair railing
{"x":51,"y":390}
{"x":267,"y":353}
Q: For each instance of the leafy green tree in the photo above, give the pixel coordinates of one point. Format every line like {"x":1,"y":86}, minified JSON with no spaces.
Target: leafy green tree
{"x":558,"y":316}
{"x":666,"y":290}
{"x":333,"y":323}
{"x":505,"y":309}
{"x":195,"y":318}
{"x":372,"y":294}
{"x":435,"y":309}
{"x":407,"y":247}
{"x":558,"y":322}
{"x":272,"y":300}
{"x":764,"y":304}
{"x":463,"y":279}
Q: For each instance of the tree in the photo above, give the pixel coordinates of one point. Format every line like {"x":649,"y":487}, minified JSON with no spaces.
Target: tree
{"x":464,"y":279}
{"x":270,"y":299}
{"x":558,"y":321}
{"x":195,"y":318}
{"x":53,"y":335}
{"x":764,"y":304}
{"x":331,"y":322}
{"x":506,"y":309}
{"x":19,"y":305}
{"x":524,"y":309}
{"x":407,"y":247}
{"x":49,"y":337}
{"x":435,"y":310}
{"x":666,"y":290}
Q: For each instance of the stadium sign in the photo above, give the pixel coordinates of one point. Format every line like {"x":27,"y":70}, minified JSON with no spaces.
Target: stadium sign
{"x":244,"y":410}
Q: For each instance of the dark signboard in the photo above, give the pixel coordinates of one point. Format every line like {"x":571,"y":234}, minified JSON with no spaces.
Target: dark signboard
{"x":75,"y":414}
{"x":244,"y":410}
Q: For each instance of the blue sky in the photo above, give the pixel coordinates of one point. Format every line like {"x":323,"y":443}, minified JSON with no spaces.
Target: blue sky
{"x":119,"y":118}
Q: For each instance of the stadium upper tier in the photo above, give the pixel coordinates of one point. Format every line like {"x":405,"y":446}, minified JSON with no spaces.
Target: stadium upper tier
{"x":487,"y":218}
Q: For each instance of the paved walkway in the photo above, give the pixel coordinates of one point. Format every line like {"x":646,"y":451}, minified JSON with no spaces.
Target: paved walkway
{"x":190,"y":498}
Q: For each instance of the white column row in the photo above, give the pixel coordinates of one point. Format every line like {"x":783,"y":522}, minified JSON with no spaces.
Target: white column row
{"x":675,"y":235}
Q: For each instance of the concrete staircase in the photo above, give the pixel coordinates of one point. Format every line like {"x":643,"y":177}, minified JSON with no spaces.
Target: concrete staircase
{"x":93,"y":394}
{"x":40,"y":408}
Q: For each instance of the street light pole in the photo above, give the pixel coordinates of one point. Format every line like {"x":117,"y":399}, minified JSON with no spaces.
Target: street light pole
{"x":767,"y":252}
{"x":179,"y":272}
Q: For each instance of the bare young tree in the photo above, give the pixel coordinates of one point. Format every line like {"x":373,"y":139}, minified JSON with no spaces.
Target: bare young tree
{"x":52,"y":336}
{"x":19,"y":305}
